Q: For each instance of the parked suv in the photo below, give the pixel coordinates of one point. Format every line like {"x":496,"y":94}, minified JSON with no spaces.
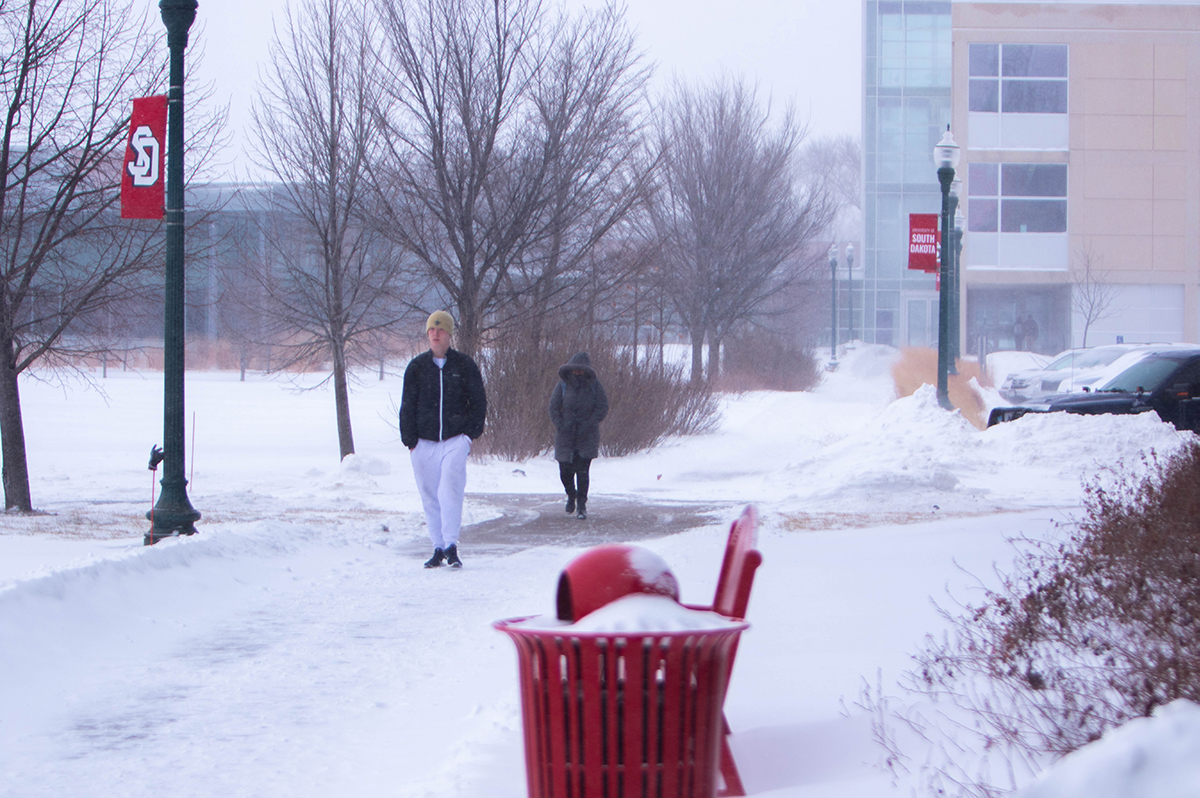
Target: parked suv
{"x":1166,"y":381}
{"x":1070,"y":371}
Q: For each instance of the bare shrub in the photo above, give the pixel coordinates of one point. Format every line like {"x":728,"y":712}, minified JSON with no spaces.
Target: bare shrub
{"x":1086,"y":633}
{"x":764,"y":361}
{"x":518,"y":381}
{"x":646,"y":405}
{"x":917,"y":366}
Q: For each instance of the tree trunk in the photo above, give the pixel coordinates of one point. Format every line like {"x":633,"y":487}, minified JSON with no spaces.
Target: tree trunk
{"x":341,"y":398}
{"x":636,"y":328}
{"x":697,"y":356}
{"x":662,"y":339}
{"x":12,"y":436}
{"x":714,"y":358}
{"x":466,"y":330}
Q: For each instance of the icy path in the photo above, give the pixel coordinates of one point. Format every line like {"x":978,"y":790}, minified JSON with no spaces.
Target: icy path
{"x":276,"y":662}
{"x":283,"y":660}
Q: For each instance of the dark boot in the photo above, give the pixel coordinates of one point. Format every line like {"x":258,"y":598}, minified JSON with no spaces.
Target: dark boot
{"x":582,"y":495}
{"x":436,"y":560}
{"x":452,"y":556}
{"x":570,"y":503}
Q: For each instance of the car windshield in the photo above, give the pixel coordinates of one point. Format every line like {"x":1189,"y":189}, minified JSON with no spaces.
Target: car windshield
{"x":1097,"y":357}
{"x":1146,"y":375}
{"x":1060,"y":363}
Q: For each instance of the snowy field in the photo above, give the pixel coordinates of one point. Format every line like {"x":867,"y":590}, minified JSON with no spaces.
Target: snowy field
{"x":297,"y":648}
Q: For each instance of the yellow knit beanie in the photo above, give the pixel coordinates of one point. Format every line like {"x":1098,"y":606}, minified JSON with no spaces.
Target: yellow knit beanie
{"x":441,"y":320}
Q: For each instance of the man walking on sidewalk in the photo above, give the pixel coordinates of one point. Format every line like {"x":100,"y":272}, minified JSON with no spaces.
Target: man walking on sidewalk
{"x":442,"y":410}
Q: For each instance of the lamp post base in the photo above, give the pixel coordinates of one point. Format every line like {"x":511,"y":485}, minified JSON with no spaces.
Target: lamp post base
{"x":170,"y":522}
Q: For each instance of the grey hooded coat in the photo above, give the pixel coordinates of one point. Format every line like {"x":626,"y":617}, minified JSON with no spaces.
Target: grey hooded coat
{"x":577,"y":406}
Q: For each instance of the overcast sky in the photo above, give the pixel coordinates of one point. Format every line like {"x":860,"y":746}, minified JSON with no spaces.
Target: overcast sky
{"x":808,"y":52}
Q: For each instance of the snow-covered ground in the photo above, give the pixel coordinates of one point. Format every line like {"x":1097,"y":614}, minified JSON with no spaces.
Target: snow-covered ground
{"x":297,"y":648}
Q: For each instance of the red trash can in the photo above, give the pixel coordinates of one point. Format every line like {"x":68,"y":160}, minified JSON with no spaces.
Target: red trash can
{"x":622,"y":714}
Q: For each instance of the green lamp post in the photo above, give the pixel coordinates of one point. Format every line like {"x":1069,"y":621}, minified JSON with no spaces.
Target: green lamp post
{"x":945,"y":155}
{"x":833,"y":260}
{"x":949,"y":235}
{"x":173,"y":514}
{"x":956,"y":316}
{"x":850,"y":290}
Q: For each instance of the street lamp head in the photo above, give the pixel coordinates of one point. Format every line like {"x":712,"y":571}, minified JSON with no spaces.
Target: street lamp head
{"x":178,"y":16}
{"x":833,"y":254}
{"x":956,"y":188}
{"x":946,"y":152}
{"x":959,"y":220}
{"x":850,"y":253}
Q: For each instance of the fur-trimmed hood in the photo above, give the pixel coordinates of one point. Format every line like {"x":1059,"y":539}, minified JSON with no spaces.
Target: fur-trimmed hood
{"x":579,"y":360}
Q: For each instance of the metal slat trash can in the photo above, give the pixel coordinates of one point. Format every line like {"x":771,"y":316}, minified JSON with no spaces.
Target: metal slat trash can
{"x":622,"y":715}
{"x":621,"y":695}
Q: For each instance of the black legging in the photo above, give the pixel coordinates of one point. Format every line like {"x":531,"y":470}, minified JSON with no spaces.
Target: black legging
{"x":574,"y":476}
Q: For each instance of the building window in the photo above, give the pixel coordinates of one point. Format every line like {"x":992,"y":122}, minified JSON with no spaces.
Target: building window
{"x":1017,"y":78}
{"x":1034,"y":97}
{"x":914,"y":46}
{"x":1017,"y":198}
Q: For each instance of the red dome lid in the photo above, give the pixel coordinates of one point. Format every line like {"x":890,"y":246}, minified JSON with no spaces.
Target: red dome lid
{"x":606,"y":573}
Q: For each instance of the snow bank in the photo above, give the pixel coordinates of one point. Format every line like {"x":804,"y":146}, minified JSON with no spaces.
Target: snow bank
{"x":914,"y":454}
{"x":371,"y":466}
{"x":1156,"y":757}
{"x":135,"y":562}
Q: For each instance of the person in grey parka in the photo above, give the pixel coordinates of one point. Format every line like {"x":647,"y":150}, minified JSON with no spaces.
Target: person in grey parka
{"x":577,"y":406}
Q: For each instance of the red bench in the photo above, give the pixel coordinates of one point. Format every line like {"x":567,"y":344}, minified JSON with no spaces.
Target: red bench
{"x":733,"y":595}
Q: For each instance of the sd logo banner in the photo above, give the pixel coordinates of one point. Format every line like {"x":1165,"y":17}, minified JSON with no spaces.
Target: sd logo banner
{"x":143,"y":175}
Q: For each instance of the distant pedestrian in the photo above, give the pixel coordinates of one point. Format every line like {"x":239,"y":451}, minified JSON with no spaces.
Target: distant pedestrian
{"x":442,"y":410}
{"x":1030,"y":327}
{"x":577,"y":406}
{"x":1018,"y":331}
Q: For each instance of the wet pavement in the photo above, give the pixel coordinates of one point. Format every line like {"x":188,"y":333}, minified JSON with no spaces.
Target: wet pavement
{"x":540,"y":520}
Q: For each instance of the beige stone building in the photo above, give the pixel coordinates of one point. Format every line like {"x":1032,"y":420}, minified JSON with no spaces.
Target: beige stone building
{"x":1080,"y":132}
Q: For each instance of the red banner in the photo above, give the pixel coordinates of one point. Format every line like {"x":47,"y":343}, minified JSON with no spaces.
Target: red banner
{"x":143,"y":175}
{"x":923,"y":241}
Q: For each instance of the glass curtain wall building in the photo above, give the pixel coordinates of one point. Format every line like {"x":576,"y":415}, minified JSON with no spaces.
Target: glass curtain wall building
{"x":907,"y":64}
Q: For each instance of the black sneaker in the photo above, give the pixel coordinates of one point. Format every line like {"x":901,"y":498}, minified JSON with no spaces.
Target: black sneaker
{"x":582,"y":511}
{"x":436,"y":560}
{"x":452,"y":556}
{"x":570,"y":504}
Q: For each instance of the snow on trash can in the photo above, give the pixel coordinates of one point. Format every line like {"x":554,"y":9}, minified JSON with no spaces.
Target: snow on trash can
{"x":626,"y":699}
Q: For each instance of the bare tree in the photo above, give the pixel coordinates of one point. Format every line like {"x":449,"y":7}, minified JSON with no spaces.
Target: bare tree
{"x":588,"y":97}
{"x":463,"y":181}
{"x":236,"y":260}
{"x":835,"y":164}
{"x":1092,"y":295}
{"x":67,"y":71}
{"x":513,"y":140}
{"x":330,"y":279}
{"x":732,"y":222}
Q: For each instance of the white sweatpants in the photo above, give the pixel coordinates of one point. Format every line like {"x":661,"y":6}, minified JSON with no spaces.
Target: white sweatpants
{"x":440,"y":468}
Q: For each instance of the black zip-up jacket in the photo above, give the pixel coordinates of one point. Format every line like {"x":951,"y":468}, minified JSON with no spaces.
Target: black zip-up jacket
{"x":440,"y":403}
